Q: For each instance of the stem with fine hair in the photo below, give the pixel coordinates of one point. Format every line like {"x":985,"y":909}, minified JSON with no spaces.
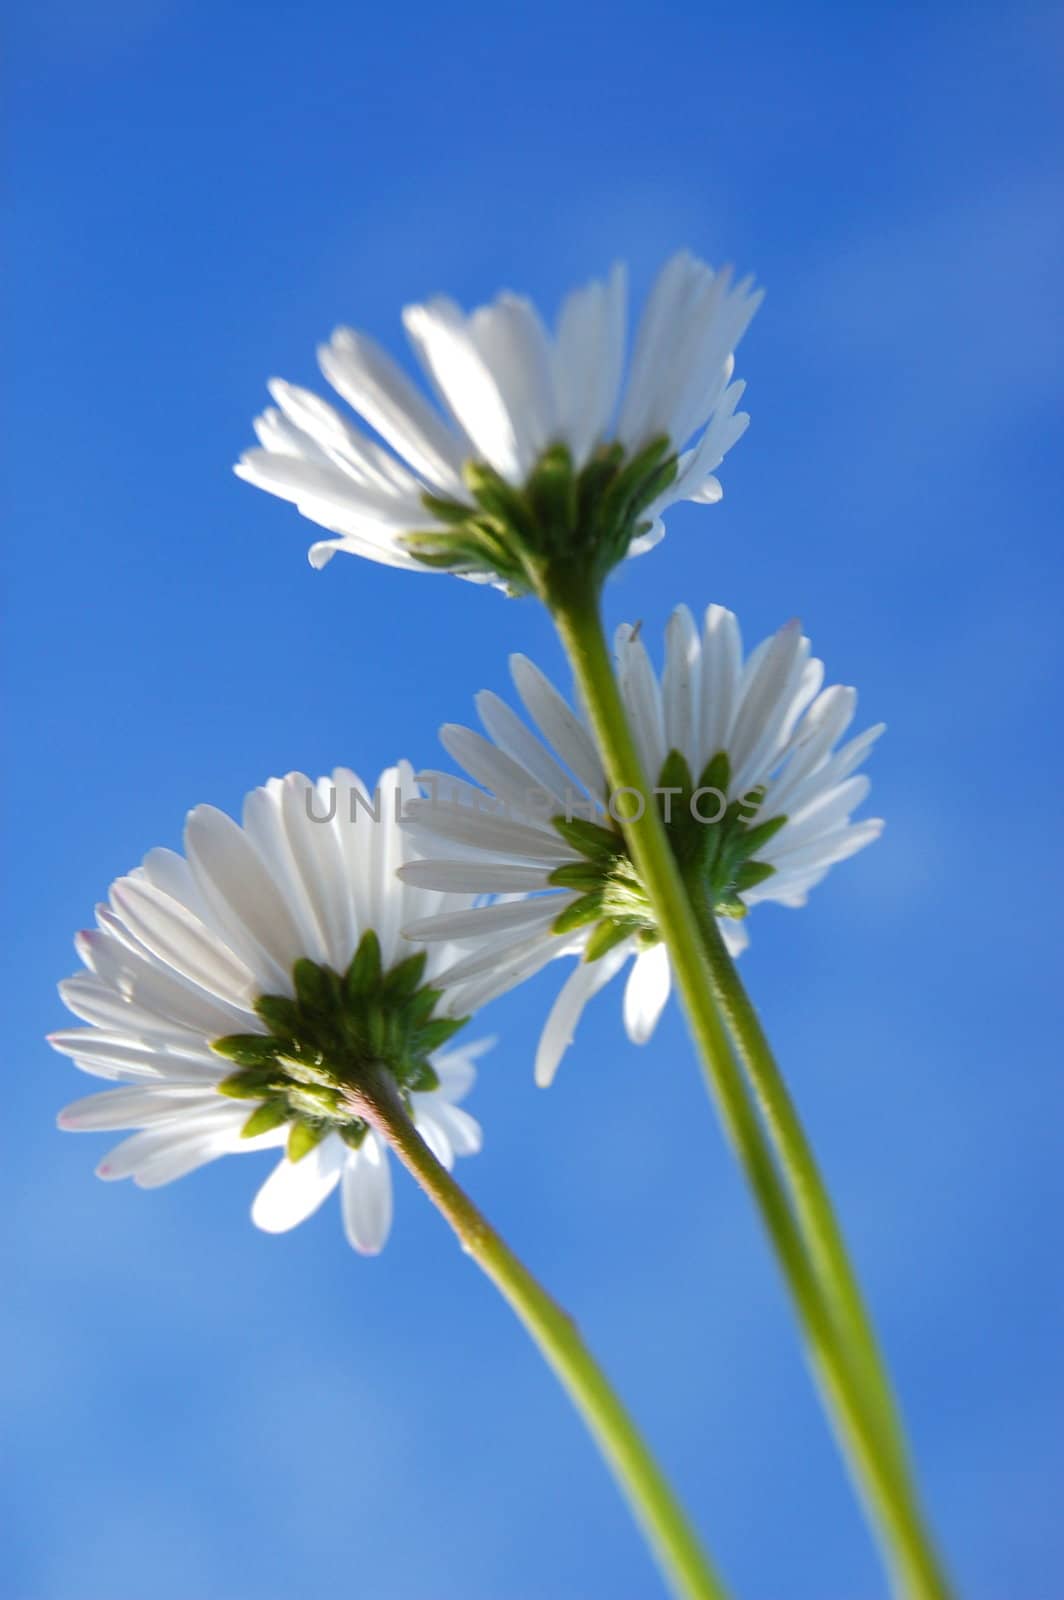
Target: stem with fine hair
{"x":820,"y":1225}
{"x":655,"y":1507}
{"x":869,"y":1443}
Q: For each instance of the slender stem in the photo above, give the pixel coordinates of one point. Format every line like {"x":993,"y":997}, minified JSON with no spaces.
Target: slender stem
{"x":870,"y":1450}
{"x":820,"y":1225}
{"x":652,"y":1501}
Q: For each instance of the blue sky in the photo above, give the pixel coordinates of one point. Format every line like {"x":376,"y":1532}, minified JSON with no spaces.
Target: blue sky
{"x":199,"y":194}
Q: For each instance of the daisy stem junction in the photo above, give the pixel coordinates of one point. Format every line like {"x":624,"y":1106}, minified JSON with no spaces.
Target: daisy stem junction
{"x":841,"y":1359}
{"x":558,"y":1339}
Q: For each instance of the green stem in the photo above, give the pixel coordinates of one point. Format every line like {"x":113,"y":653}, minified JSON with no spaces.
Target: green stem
{"x":816,"y":1215}
{"x":870,"y":1449}
{"x":652,"y":1501}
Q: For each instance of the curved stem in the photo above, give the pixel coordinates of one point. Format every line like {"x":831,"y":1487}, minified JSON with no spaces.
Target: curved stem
{"x":653,"y":1503}
{"x":869,"y":1448}
{"x":816,"y":1214}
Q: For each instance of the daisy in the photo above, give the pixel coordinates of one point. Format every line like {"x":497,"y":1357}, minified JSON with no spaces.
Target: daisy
{"x":543,"y":449}
{"x":753,"y":787}
{"x":233,"y":992}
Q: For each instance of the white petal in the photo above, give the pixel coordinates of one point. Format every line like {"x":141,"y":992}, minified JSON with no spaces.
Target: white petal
{"x":646,"y":992}
{"x":339,"y":442}
{"x":481,"y":831}
{"x":721,"y":664}
{"x":589,"y":358}
{"x":264,"y":823}
{"x":734,"y":935}
{"x":474,"y":877}
{"x":639,"y":686}
{"x":764,"y":698}
{"x":174,"y":1148}
{"x":366,"y":1196}
{"x":377,"y":387}
{"x":387,"y":852}
{"x":318,"y":858}
{"x":516,"y":741}
{"x":558,"y":723}
{"x":515,"y":349}
{"x":466,"y":383}
{"x":464,"y":1132}
{"x":133,"y":1108}
{"x":138,"y":978}
{"x":105,"y":1007}
{"x":435,"y":1136}
{"x":504,"y":777}
{"x":680,"y":687}
{"x":322,"y":551}
{"x":247,"y":905}
{"x":456,"y":1070}
{"x":587,"y":979}
{"x":327,"y":494}
{"x":179,"y":939}
{"x":485,"y":922}
{"x":295,"y":1189}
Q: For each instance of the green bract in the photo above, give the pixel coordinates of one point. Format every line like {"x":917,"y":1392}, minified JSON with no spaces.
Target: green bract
{"x":323,"y":1041}
{"x":559,"y":519}
{"x":715,"y":844}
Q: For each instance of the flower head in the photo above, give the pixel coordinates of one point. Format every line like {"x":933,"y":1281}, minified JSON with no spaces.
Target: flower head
{"x":755,"y":792}
{"x":546,"y":454}
{"x":236,"y":993}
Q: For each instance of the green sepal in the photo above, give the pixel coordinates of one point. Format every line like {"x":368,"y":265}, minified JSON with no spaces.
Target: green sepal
{"x":752,"y":839}
{"x":250,"y":1084}
{"x":729,"y":905}
{"x":421,"y":1077}
{"x":446,"y":552}
{"x":376,"y":1031}
{"x":498,"y":498}
{"x":438,"y":1031}
{"x":316,"y":987}
{"x":585,"y":875}
{"x":280,"y":1015}
{"x":750,"y":801}
{"x":605,"y":937}
{"x":590,"y":838}
{"x":249,"y":1049}
{"x":587,"y":909}
{"x":452,"y":512}
{"x":654,"y":486}
{"x":364,"y":973}
{"x":751,"y":873}
{"x":271,"y":1114}
{"x":596,"y":478}
{"x":624,"y":497}
{"x":421,"y":1006}
{"x":552,"y":495}
{"x":302,"y":1138}
{"x":716,"y":774}
{"x":405,"y":979}
{"x":675,"y":774}
{"x":353,"y":1133}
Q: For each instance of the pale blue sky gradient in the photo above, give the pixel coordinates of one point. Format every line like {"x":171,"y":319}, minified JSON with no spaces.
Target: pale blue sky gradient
{"x":198,"y":195}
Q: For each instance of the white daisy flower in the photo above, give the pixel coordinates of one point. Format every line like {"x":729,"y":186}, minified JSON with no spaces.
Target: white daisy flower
{"x":545,"y":449}
{"x":754,"y":789}
{"x":232,"y":993}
